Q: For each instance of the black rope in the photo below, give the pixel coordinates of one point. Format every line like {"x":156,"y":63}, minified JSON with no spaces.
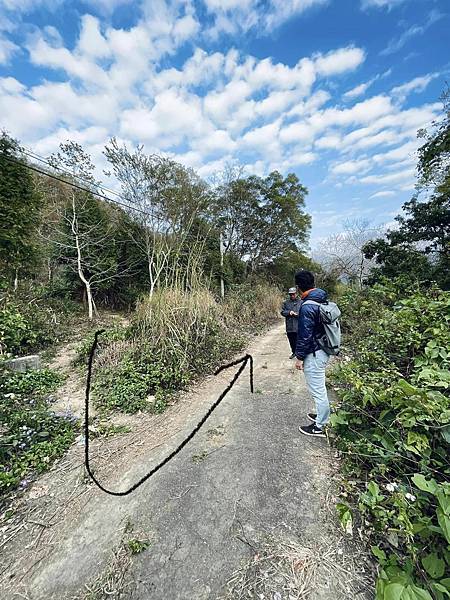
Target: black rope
{"x":242,"y":361}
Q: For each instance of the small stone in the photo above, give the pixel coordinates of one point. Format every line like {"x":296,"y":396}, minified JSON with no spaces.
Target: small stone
{"x":24,"y":363}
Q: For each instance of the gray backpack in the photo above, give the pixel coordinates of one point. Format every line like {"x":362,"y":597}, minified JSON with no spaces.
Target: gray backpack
{"x":329,"y":313}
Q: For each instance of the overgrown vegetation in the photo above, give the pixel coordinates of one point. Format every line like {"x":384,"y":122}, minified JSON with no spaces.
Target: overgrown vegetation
{"x":393,"y":419}
{"x":174,"y":337}
{"x":33,"y":319}
{"x":32,"y":437}
{"x":393,"y":429}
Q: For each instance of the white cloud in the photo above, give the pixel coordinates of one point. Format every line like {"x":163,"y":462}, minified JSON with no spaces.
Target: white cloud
{"x":26,"y":6}
{"x":350,"y":167}
{"x":44,"y":54}
{"x":234,"y":16}
{"x":365,"y":4}
{"x":173,"y":117}
{"x":282,"y":10}
{"x":383,"y":194}
{"x":399,"y":41}
{"x":11,"y":85}
{"x":407,"y":150}
{"x":329,"y":142}
{"x":263,"y":137}
{"x":7,"y":49}
{"x":359,"y":90}
{"x":339,"y":61}
{"x":91,"y":41}
{"x":418,"y":84}
{"x":390,"y":178}
{"x":106,"y":7}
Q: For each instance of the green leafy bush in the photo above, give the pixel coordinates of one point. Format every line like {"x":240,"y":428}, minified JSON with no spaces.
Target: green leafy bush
{"x":31,"y":321}
{"x":393,"y":428}
{"x":31,"y":436}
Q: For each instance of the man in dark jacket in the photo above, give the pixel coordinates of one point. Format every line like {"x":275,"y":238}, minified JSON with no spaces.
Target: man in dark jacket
{"x":290,"y":313}
{"x":311,"y":359}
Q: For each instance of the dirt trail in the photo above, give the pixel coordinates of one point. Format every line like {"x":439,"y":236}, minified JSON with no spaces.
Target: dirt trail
{"x":243,"y":511}
{"x":70,"y":397}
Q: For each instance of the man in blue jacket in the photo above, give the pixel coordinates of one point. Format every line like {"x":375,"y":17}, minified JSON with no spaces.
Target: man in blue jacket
{"x":311,"y":359}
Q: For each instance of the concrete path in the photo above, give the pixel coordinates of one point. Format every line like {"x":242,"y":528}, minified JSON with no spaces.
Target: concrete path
{"x":247,"y":480}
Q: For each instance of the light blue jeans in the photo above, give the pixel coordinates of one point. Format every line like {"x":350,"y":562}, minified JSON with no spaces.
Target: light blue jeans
{"x":314,"y":369}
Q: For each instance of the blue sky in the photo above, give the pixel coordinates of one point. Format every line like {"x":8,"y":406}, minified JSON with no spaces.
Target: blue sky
{"x":333,"y":90}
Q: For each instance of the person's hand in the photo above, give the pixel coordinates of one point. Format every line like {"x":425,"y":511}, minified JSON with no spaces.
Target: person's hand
{"x":291,"y":313}
{"x":294,"y":314}
{"x":299,"y":364}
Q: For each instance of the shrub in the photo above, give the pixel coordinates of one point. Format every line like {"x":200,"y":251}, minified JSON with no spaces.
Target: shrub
{"x":393,"y":427}
{"x":31,"y":435}
{"x":30,"y":321}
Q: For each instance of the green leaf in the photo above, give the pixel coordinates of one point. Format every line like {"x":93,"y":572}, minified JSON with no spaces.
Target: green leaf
{"x":393,"y":591}
{"x":433,"y":565}
{"x":373,"y":488}
{"x":444,"y":523}
{"x":345,"y":517}
{"x":407,"y":388}
{"x":339,"y":418}
{"x":423,"y":484}
{"x":417,"y":443}
{"x":417,"y":593}
{"x":379,"y":553}
{"x":445,"y":432}
{"x":440,"y":591}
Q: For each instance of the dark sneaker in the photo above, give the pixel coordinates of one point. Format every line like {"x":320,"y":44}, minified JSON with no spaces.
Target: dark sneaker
{"x":312,"y":430}
{"x":312,"y":417}
{"x":292,"y":355}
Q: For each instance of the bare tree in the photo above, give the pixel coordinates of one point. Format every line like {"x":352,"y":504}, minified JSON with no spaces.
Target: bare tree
{"x":163,"y":198}
{"x":342,"y":253}
{"x":79,"y":227}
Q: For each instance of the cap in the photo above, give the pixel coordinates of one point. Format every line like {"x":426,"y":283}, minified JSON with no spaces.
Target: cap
{"x":292,"y":290}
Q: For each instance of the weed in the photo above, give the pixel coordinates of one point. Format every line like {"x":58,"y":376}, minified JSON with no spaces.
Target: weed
{"x":137,"y":546}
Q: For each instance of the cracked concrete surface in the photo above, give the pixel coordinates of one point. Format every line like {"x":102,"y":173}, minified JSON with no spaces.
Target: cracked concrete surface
{"x":254,"y":476}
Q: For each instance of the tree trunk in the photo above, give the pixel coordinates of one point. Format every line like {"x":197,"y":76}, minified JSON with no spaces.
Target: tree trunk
{"x":16,"y":280}
{"x":81,"y":275}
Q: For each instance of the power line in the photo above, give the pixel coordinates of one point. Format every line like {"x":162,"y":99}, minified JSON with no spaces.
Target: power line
{"x":87,"y":190}
{"x":75,"y":185}
{"x":41,"y":159}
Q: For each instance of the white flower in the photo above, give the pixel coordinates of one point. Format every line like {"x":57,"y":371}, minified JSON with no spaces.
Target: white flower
{"x":410,"y":497}
{"x":391,"y":487}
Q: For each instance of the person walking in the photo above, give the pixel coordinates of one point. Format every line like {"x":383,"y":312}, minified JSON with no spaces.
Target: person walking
{"x":311,"y":358}
{"x":290,"y":312}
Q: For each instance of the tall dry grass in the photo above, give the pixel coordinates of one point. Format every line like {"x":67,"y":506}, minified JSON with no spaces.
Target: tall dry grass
{"x":176,"y":335}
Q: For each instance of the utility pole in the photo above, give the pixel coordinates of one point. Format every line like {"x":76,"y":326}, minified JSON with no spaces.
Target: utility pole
{"x":222,"y":283}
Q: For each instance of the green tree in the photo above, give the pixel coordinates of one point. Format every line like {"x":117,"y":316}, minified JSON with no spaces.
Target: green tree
{"x":420,"y":246}
{"x":19,"y":213}
{"x":261,"y":218}
{"x":434,"y":154}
